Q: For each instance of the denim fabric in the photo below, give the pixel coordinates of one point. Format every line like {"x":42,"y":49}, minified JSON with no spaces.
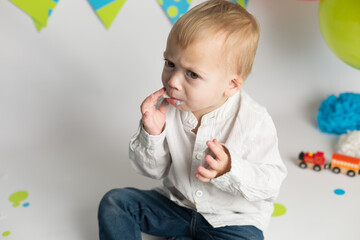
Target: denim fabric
{"x":125,"y":213}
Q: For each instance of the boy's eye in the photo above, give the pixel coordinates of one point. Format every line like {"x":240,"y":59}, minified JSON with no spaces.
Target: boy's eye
{"x":169,"y":63}
{"x":192,"y":75}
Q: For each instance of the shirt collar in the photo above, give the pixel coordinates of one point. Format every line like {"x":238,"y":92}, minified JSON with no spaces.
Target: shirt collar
{"x":220,"y":114}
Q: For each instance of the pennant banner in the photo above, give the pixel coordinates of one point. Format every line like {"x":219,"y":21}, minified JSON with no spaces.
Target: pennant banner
{"x":38,"y":10}
{"x":106,"y":10}
{"x":174,"y":9}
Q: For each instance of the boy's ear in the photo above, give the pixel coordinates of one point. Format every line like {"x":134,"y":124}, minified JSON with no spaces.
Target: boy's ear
{"x":234,"y":85}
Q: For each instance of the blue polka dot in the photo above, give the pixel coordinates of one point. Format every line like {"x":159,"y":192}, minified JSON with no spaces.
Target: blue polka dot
{"x":26,"y":204}
{"x":339,"y":191}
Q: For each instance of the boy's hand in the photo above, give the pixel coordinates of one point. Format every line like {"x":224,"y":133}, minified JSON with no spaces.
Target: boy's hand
{"x":218,"y":166}
{"x":152,"y":118}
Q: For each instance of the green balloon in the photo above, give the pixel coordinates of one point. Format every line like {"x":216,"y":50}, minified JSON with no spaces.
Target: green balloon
{"x":339,"y":22}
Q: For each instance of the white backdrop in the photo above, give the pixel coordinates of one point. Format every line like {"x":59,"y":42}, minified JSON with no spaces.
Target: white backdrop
{"x":70,"y":97}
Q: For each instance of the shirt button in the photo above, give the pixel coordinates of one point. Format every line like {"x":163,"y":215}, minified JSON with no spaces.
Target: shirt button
{"x":199,"y":156}
{"x":192,"y":121}
{"x":136,"y":143}
{"x":199,"y":193}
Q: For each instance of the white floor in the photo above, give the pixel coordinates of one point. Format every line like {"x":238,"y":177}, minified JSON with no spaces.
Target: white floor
{"x":69,"y":103}
{"x":66,"y":184}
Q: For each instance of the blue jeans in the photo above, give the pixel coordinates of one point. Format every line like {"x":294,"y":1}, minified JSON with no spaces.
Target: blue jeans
{"x":125,"y":213}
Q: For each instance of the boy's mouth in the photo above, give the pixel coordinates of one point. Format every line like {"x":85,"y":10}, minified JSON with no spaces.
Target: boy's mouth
{"x":173,"y":101}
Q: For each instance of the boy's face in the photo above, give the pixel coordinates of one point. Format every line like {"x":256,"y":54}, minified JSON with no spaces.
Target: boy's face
{"x":197,"y":77}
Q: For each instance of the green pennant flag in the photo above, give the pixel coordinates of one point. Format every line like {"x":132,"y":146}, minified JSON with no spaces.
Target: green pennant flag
{"x":38,"y":10}
{"x":107,"y":10}
{"x":243,"y":3}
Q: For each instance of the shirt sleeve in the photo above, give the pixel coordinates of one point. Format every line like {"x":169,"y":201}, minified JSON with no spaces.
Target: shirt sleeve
{"x":257,"y":170}
{"x":149,"y":154}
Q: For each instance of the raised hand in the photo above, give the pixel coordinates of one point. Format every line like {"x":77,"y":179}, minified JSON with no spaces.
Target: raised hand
{"x":218,"y":166}
{"x":152,"y":118}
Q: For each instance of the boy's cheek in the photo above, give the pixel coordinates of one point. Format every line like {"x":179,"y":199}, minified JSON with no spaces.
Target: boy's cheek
{"x":164,"y":77}
{"x":194,"y":103}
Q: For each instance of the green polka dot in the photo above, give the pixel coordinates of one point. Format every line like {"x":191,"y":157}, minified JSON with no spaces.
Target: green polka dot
{"x":160,"y":2}
{"x":5,"y":234}
{"x":177,"y":0}
{"x":189,"y":1}
{"x":279,"y":210}
{"x":172,"y":11}
{"x":17,"y":197}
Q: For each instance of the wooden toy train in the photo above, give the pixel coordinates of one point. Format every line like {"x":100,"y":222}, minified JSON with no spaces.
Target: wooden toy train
{"x":339,"y":163}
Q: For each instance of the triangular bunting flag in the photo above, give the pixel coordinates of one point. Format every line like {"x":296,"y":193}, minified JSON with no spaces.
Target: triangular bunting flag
{"x":243,"y":3}
{"x":39,"y":10}
{"x":174,"y":9}
{"x":50,"y":10}
{"x":107,"y":10}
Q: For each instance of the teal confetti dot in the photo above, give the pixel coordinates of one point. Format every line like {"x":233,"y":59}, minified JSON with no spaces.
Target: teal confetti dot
{"x":339,"y":191}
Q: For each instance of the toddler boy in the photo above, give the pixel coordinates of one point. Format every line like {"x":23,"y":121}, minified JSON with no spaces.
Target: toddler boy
{"x":215,"y":148}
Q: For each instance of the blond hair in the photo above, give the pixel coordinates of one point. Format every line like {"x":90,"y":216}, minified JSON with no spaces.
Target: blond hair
{"x":222,"y":17}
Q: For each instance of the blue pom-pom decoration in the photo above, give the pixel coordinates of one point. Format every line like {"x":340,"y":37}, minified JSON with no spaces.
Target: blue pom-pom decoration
{"x":340,"y":114}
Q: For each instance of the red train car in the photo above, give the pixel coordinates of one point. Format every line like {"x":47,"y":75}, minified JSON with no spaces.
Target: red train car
{"x":310,"y":160}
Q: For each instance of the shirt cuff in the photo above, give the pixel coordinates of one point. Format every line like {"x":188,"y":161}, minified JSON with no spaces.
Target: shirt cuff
{"x":151,"y":141}
{"x":232,"y":180}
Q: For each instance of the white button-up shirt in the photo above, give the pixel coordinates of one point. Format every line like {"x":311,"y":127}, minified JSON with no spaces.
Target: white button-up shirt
{"x":244,"y":195}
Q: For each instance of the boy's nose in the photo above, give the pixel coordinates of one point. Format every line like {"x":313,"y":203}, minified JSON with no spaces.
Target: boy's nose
{"x":175,"y":81}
